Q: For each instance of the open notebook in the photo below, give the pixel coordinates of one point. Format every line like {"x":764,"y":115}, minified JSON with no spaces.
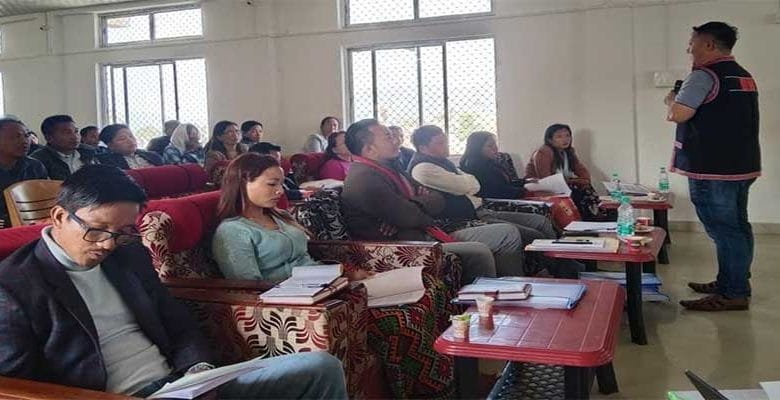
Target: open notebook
{"x":307,"y":285}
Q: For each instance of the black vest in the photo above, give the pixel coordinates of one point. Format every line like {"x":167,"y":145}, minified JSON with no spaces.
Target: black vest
{"x":721,"y":140}
{"x":456,"y":207}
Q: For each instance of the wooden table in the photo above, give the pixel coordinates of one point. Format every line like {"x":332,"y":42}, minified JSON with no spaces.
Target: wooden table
{"x":636,"y":261}
{"x":660,"y":216}
{"x":581,"y":340}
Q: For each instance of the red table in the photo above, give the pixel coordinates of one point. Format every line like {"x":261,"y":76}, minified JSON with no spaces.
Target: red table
{"x":660,"y":216}
{"x":581,"y":339}
{"x":636,"y":260}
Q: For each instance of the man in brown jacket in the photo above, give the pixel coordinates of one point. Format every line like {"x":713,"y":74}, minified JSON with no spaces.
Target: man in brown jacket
{"x":380,"y":203}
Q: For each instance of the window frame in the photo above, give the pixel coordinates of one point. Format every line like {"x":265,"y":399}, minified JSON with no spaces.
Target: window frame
{"x":103,"y":26}
{"x":107,"y":116}
{"x":416,"y":19}
{"x":405,"y":45}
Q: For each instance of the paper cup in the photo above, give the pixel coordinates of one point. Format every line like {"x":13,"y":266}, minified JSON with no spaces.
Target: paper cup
{"x":485,"y":306}
{"x":486,"y":322}
{"x":460,"y":327}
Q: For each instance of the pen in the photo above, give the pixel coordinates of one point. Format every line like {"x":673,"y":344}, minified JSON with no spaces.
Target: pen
{"x":306,"y":286}
{"x":572,"y":242}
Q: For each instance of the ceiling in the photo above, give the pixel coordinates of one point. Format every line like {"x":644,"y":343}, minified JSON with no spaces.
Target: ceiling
{"x":19,"y":7}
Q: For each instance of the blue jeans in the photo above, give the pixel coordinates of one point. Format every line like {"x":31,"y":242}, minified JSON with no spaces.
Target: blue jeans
{"x":722,"y":208}
{"x":316,"y":375}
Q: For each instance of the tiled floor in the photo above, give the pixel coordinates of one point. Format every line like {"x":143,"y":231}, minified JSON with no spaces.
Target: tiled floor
{"x":732,"y":350}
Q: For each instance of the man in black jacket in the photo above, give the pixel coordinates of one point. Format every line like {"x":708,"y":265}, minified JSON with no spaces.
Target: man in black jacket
{"x":62,"y":154}
{"x":83,"y":307}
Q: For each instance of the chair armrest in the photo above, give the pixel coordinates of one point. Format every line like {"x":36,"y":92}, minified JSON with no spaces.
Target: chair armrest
{"x":380,"y":256}
{"x":22,"y":389}
{"x":223,"y":284}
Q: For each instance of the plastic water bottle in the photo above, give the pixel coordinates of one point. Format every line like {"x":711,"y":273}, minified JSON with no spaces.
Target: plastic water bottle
{"x":663,"y":181}
{"x":617,"y":193}
{"x":625,"y":219}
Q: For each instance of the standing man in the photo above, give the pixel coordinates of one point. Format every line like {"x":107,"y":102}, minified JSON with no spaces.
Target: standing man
{"x":717,"y":148}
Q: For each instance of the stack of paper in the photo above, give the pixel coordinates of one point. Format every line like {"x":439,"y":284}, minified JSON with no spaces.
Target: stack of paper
{"x":307,"y":285}
{"x":192,"y":386}
{"x":485,"y":287}
{"x":631,"y":189}
{"x":582,"y":226}
{"x":543,"y":295}
{"x":651,"y":284}
{"x":579,"y":245}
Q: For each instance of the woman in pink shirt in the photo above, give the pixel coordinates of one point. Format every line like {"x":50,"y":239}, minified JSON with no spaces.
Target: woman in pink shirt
{"x":338,"y":159}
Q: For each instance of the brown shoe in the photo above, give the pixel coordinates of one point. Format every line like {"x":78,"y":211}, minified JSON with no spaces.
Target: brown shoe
{"x":716,"y":302}
{"x":706,"y":288}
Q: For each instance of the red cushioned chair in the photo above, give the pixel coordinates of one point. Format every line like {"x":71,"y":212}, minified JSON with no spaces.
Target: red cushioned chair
{"x":178,"y":234}
{"x":14,"y":238}
{"x":306,"y":166}
{"x":171,"y":180}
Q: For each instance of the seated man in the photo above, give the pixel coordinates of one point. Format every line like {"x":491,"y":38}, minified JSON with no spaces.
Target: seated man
{"x":123,"y":151}
{"x":430,"y":168}
{"x":15,"y":166}
{"x":84,"y":307}
{"x":379,"y":202}
{"x":62,"y":154}
{"x":406,"y":153}
{"x":90,"y":138}
{"x":158,"y":144}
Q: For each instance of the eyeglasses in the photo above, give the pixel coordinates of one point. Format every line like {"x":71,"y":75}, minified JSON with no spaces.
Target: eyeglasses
{"x":95,"y":235}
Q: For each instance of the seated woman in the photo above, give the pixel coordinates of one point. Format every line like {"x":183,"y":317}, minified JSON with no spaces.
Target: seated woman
{"x":123,"y":151}
{"x":557,"y":156}
{"x":251,"y":133}
{"x":338,"y":159}
{"x":185,"y":146}
{"x":224,"y":145}
{"x":481,"y":160}
{"x":255,"y":240}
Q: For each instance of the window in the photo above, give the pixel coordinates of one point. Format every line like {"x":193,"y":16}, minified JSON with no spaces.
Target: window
{"x":2,"y":97}
{"x":451,"y":84}
{"x":144,"y":95}
{"x":151,"y":25}
{"x":375,"y":11}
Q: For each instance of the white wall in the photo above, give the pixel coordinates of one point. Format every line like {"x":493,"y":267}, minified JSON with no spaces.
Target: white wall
{"x":571,"y":61}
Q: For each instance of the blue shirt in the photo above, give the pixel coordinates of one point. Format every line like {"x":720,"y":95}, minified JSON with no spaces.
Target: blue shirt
{"x":245,"y":250}
{"x":25,"y":169}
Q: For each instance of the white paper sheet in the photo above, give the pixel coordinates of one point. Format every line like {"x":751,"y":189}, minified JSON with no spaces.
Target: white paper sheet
{"x":551,"y":184}
{"x":772,"y":389}
{"x":395,"y":287}
{"x":194,"y":385}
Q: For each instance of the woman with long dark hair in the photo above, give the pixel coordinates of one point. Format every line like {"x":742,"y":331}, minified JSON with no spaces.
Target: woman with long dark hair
{"x":558,"y":156}
{"x":338,"y":159}
{"x":223,"y":145}
{"x":255,"y":239}
{"x":481,"y":160}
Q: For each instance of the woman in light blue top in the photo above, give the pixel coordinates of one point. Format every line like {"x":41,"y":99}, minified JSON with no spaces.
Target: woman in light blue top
{"x":255,"y":240}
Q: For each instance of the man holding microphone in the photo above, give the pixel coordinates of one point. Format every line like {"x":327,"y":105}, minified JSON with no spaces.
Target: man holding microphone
{"x":717,"y":148}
